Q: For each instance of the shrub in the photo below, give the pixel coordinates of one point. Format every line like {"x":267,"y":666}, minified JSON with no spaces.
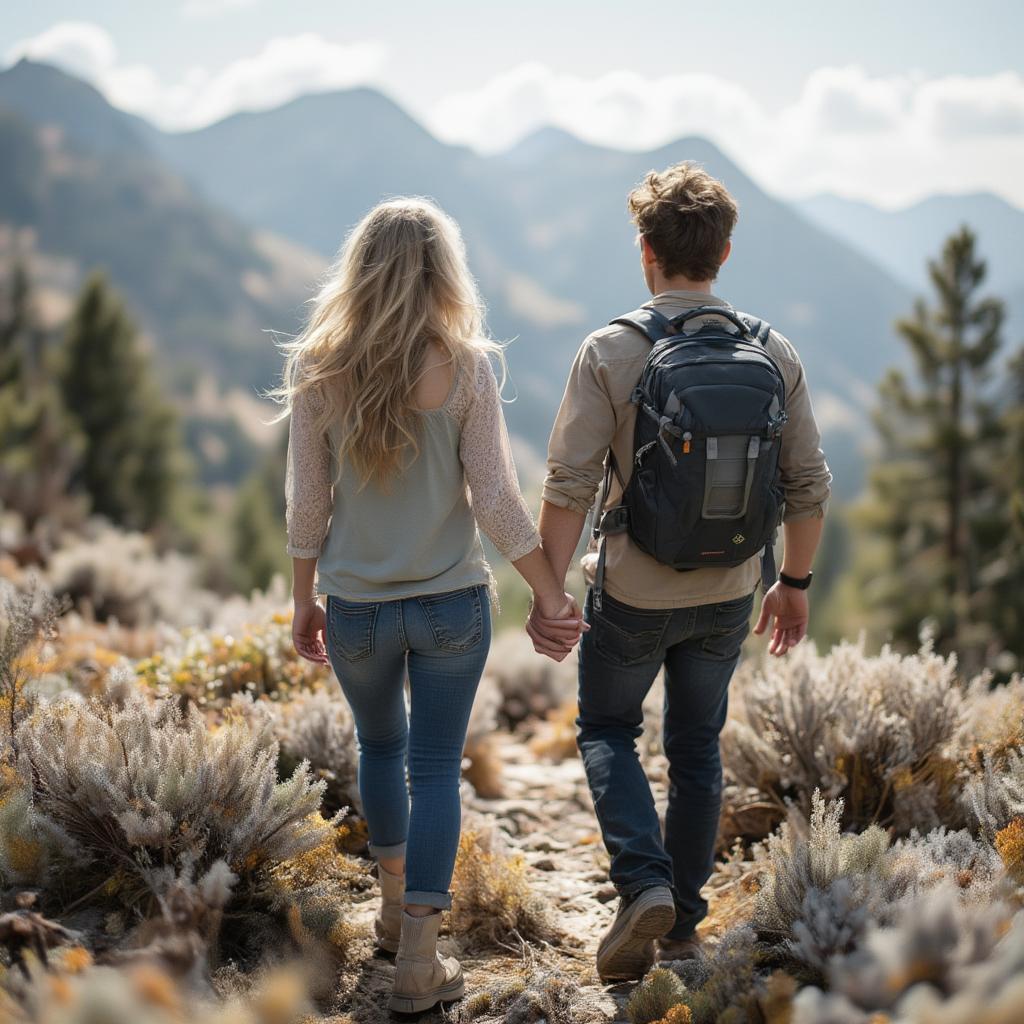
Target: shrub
{"x":655,"y":996}
{"x":491,"y":900}
{"x":111,"y":574}
{"x":26,"y":616}
{"x":147,"y":792}
{"x":880,"y":732}
{"x":530,"y":684}
{"x":145,"y":994}
{"x":995,"y":796}
{"x":317,"y":727}
{"x":483,"y":769}
{"x":542,"y":996}
{"x":209,"y":667}
{"x":944,"y":962}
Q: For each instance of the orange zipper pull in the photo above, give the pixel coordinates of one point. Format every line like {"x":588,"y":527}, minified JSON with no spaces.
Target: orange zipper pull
{"x":686,"y":442}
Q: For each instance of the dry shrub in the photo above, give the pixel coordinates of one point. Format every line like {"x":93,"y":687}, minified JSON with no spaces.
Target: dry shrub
{"x":111,"y":574}
{"x":210,"y":666}
{"x":530,"y":684}
{"x":881,"y":732}
{"x":140,"y":794}
{"x":1010,"y":846}
{"x":555,"y":738}
{"x":316,"y":727}
{"x":655,"y":996}
{"x":544,"y":997}
{"x":483,"y":768}
{"x":144,"y":994}
{"x":944,"y":962}
{"x":491,"y":899}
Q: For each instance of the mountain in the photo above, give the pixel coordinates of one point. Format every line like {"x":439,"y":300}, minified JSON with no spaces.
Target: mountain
{"x":181,"y":221}
{"x":205,"y":287}
{"x":904,"y":240}
{"x":548,"y":235}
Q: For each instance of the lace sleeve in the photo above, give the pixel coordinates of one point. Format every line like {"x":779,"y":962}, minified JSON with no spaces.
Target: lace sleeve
{"x":490,"y":469}
{"x":308,"y":484}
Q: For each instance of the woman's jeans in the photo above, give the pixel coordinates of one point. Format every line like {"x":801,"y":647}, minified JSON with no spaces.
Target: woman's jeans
{"x":620,"y":658}
{"x":441,"y":641}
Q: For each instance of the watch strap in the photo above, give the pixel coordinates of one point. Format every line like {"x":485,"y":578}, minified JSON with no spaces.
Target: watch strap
{"x":796,"y":583}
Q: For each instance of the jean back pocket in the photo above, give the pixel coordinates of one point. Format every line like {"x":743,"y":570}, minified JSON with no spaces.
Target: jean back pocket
{"x":456,"y":619}
{"x":350,"y":628}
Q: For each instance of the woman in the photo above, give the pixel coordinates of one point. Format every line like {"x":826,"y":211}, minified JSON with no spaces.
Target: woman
{"x":395,"y":412}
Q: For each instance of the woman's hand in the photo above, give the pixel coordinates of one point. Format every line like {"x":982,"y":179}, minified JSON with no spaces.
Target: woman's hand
{"x":309,"y":625}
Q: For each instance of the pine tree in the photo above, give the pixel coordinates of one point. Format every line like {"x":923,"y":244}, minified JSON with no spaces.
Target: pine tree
{"x":932,"y":493}
{"x":258,"y":525}
{"x":132,"y":466}
{"x":39,"y":444}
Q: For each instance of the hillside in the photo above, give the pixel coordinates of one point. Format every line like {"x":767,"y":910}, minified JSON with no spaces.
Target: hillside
{"x":903,"y":240}
{"x":205,"y":287}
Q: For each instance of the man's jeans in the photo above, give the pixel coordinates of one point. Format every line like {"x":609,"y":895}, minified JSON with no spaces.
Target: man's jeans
{"x":620,"y":657}
{"x":441,"y":641}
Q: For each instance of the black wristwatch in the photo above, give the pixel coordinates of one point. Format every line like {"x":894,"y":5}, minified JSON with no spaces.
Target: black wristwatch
{"x":792,"y":581}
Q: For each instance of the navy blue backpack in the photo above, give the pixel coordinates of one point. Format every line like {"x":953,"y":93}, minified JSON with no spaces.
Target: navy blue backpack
{"x":705,"y":487}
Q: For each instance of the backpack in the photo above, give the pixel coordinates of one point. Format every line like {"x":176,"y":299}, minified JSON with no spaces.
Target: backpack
{"x":705,"y":489}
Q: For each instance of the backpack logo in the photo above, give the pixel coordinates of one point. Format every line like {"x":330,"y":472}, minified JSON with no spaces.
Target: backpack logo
{"x":738,"y":539}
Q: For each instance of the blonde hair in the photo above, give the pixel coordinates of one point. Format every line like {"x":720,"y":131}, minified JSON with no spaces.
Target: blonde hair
{"x":400,"y":282}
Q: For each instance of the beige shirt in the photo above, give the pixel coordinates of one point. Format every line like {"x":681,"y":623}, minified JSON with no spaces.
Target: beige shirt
{"x":418,"y":535}
{"x":596,"y":413}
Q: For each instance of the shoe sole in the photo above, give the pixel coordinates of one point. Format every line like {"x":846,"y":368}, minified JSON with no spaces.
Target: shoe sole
{"x":626,"y":956}
{"x":417,"y":1004}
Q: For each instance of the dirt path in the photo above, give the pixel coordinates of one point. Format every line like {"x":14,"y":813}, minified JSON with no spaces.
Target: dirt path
{"x":547,"y":816}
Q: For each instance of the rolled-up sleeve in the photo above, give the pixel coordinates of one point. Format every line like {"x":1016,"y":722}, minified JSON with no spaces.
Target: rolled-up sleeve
{"x":581,"y":436}
{"x":490,"y":469}
{"x":806,"y":479}
{"x":309,"y":495}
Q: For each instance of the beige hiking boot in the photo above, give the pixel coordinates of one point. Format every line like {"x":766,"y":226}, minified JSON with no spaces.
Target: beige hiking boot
{"x":388,"y":923}
{"x":423,"y":978}
{"x":627,"y":950}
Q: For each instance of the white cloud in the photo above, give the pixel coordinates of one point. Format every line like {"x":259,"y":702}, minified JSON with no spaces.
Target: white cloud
{"x":888,"y":138}
{"x":286,"y":67}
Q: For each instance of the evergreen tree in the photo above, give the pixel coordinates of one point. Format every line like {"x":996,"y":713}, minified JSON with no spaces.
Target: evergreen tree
{"x":132,"y":467}
{"x":934,"y":492}
{"x":258,"y":525}
{"x":39,"y":444}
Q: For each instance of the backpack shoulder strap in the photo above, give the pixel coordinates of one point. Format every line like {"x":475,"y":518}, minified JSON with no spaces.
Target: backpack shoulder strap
{"x":759,"y":329}
{"x":649,"y":322}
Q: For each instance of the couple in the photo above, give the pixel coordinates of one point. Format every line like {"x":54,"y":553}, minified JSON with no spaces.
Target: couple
{"x":398,"y":452}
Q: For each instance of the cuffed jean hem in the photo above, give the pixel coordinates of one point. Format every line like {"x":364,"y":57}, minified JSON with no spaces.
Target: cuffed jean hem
{"x":395,"y":850}
{"x":635,"y":888}
{"x":441,"y":900}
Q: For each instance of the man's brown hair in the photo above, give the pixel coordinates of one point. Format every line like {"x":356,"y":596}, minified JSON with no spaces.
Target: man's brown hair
{"x":687,"y":217}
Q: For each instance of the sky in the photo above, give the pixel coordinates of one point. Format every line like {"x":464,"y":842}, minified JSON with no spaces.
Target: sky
{"x":884,"y":101}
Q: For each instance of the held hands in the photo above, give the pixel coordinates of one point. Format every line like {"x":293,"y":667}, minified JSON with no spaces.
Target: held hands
{"x":555,"y":625}
{"x":790,"y":610}
{"x":309,"y":625}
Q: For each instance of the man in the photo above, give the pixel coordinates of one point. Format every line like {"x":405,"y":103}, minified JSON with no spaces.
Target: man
{"x":649,"y":615}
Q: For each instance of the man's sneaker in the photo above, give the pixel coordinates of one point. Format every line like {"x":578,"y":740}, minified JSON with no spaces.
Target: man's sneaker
{"x":690,"y":948}
{"x":627,"y":950}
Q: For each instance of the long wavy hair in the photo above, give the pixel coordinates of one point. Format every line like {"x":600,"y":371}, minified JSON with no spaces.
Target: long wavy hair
{"x":400,"y":282}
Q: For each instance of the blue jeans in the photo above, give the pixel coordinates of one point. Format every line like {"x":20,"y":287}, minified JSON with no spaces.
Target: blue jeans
{"x":619,"y":660}
{"x":441,"y":641}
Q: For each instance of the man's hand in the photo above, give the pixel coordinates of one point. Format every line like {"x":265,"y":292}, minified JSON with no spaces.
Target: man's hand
{"x":555,"y":631}
{"x":790,"y":610}
{"x":309,"y":625}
